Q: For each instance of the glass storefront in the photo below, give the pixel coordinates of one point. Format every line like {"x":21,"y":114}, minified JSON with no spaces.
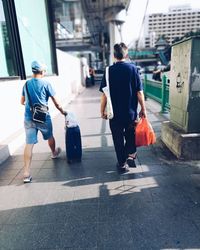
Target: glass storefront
{"x":6,"y":55}
{"x":69,"y":20}
{"x":34,"y":33}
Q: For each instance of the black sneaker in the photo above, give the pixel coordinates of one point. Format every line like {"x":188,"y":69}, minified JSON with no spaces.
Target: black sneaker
{"x":131,"y":163}
{"x":123,"y":169}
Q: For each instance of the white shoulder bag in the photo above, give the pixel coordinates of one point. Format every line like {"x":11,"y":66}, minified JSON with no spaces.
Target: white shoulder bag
{"x":106,"y":90}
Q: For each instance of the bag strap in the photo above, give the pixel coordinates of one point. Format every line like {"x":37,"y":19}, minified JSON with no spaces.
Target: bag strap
{"x":107,"y":77}
{"x":29,"y":98}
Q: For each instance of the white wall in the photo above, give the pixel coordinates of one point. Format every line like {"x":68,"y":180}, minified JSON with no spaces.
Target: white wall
{"x":67,"y":85}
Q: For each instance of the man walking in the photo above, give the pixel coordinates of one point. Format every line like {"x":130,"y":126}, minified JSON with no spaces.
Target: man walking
{"x":125,"y":92}
{"x":37,"y":91}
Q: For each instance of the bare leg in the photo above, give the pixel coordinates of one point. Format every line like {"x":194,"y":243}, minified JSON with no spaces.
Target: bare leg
{"x":27,"y":159}
{"x":55,"y":151}
{"x":52,"y":144}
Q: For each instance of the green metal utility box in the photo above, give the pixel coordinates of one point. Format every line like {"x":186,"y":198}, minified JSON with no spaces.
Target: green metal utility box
{"x":185,"y":85}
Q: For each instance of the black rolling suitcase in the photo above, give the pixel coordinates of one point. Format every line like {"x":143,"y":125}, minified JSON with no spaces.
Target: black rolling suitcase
{"x":73,"y":139}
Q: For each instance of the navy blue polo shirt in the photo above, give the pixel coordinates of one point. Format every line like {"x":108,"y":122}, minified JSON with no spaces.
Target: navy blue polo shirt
{"x":124,"y":82}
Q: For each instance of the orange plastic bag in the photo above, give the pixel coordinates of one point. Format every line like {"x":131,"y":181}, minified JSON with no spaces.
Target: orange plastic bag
{"x":144,"y":134}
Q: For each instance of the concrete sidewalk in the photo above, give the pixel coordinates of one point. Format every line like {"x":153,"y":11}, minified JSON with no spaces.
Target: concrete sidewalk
{"x":88,"y":205}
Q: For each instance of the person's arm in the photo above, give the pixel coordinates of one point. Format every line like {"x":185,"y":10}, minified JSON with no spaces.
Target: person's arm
{"x":141,"y":101}
{"x":57,"y":105}
{"x":103,"y":98}
{"x":22,"y":101}
{"x":103,"y":106}
{"x":140,"y":94}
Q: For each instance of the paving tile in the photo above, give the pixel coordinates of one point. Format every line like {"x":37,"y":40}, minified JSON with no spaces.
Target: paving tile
{"x":34,"y":172}
{"x":193,"y":214}
{"x":61,"y":173}
{"x":110,"y":176}
{"x":60,"y":195}
{"x":47,"y":236}
{"x":55,"y":163}
{"x":54,"y":213}
{"x":33,"y":196}
{"x":5,"y":216}
{"x":156,"y":169}
{"x":79,"y":182}
{"x":139,"y":182}
{"x":4,"y":182}
{"x":112,"y":188}
{"x":123,"y":206}
{"x":53,"y":174}
{"x":10,"y":199}
{"x":7,"y":174}
{"x":160,"y":226}
{"x":174,"y":180}
{"x":147,"y":158}
{"x":17,"y":237}
{"x":178,"y":233}
{"x":116,"y":235}
{"x":86,"y":192}
{"x":112,"y":212}
{"x":37,"y":164}
{"x":23,"y":216}
{"x":16,"y":158}
{"x":81,"y":235}
{"x":11,"y":164}
{"x":144,"y":237}
{"x":83,"y":213}
{"x":41,"y":157}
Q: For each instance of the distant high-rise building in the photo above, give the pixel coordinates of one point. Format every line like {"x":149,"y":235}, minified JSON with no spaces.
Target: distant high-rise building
{"x":174,"y":24}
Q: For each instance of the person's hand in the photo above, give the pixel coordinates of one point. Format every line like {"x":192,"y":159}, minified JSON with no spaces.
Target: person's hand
{"x":143,"y":113}
{"x":104,"y":116}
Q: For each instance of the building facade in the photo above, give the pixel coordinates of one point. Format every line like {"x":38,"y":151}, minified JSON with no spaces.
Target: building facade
{"x":174,"y":24}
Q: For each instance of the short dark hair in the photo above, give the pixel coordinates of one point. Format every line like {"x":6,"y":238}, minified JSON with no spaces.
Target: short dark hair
{"x":120,"y":50}
{"x":37,"y":72}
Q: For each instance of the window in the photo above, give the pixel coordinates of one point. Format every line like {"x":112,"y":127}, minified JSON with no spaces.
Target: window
{"x":25,"y":36}
{"x":6,"y":59}
{"x":34,"y":33}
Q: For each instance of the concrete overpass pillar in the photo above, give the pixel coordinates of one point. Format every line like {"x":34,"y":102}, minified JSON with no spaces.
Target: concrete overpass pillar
{"x":115,"y":21}
{"x":114,"y":38}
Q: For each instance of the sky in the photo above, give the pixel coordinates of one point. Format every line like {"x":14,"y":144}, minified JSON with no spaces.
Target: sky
{"x":131,"y":28}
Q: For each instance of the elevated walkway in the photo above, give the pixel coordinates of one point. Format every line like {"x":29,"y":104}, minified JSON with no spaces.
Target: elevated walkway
{"x":88,"y":205}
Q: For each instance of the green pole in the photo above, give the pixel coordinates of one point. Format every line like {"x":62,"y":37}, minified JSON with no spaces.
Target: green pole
{"x":145,"y":87}
{"x":163,"y":105}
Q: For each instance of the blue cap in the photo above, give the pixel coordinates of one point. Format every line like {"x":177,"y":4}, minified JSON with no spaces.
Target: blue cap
{"x":38,"y":67}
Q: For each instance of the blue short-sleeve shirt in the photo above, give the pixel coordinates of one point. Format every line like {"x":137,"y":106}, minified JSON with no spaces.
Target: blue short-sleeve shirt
{"x":39,"y":90}
{"x":124,"y":82}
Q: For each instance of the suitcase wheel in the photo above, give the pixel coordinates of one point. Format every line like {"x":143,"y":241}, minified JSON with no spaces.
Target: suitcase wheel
{"x":75,"y":160}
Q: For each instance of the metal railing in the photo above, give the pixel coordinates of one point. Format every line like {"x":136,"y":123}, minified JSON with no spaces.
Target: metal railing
{"x":158,"y":91}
